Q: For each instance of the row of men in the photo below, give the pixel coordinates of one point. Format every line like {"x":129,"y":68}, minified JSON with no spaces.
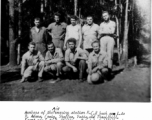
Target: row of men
{"x":76,"y":62}
{"x":84,"y":36}
{"x":60,"y":33}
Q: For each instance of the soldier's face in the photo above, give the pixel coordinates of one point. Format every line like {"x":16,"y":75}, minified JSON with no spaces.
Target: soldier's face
{"x":37,"y":23}
{"x":105,"y":16}
{"x":56,"y":18}
{"x":96,"y":47}
{"x":73,"y":21}
{"x":71,"y":45}
{"x":89,"y":20}
{"x":51,"y":47}
{"x":31,"y":48}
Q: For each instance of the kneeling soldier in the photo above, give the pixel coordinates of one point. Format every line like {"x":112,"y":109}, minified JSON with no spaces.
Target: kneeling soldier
{"x":75,"y":59}
{"x":53,"y":61}
{"x":97,"y":64}
{"x":32,"y":61}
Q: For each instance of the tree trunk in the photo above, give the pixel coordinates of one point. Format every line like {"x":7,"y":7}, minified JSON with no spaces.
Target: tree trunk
{"x":12,"y":42}
{"x":125,"y":37}
{"x":75,"y":6}
{"x":19,"y":31}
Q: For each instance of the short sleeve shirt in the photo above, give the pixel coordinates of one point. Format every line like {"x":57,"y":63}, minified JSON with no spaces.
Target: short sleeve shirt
{"x":58,"y":30}
{"x":90,"y":34}
{"x":98,"y":59}
{"x":57,"y":54}
{"x":70,"y":56}
{"x":29,"y":58}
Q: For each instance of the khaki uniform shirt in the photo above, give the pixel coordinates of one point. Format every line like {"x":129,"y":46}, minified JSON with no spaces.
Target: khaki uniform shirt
{"x":31,"y":59}
{"x":70,"y":56}
{"x":57,"y":30}
{"x":58,"y":55}
{"x":95,"y":60}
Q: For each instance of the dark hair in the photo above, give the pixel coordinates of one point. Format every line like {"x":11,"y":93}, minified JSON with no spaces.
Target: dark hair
{"x":57,"y":14}
{"x":32,"y":43}
{"x":49,"y":43}
{"x":89,"y":16}
{"x":71,"y":40}
{"x":37,"y":18}
{"x":96,"y":41}
{"x":105,"y":12}
{"x":73,"y":17}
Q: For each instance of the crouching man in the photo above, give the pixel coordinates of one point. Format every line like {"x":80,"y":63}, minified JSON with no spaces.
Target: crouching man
{"x":53,"y":61}
{"x":75,"y":59}
{"x":97,"y":64}
{"x":32,"y":61}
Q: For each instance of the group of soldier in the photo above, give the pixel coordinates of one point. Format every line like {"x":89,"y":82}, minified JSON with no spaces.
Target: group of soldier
{"x":75,"y":51}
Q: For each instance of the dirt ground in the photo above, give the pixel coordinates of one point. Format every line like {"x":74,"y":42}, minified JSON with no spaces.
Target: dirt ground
{"x":131,"y":85}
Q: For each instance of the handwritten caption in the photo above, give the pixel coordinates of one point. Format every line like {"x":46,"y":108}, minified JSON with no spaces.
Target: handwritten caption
{"x":57,"y":114}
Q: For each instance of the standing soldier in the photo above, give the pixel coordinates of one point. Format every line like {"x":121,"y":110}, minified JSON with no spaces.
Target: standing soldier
{"x":38,"y":35}
{"x":73,"y":31}
{"x":57,"y":31}
{"x":97,"y":64}
{"x":32,"y":61}
{"x":89,"y":33}
{"x":53,"y":61}
{"x":106,"y":35}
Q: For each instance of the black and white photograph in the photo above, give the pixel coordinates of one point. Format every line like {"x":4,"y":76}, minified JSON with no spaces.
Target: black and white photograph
{"x":75,"y":50}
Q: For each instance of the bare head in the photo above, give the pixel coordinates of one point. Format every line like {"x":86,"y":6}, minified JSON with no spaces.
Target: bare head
{"x":57,"y":17}
{"x":96,"y":46}
{"x":73,"y":20}
{"x":106,"y":16}
{"x":89,"y":20}
{"x":31,"y":47}
{"x":37,"y":22}
{"x":72,"y":43}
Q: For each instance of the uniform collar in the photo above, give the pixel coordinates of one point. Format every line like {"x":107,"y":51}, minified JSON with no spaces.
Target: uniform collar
{"x":74,"y":50}
{"x":58,"y":23}
{"x":94,"y":54}
{"x":39,"y":29}
{"x":55,"y":52}
{"x":90,"y":25}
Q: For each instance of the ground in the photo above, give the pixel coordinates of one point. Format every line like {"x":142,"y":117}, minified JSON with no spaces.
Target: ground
{"x":131,"y":85}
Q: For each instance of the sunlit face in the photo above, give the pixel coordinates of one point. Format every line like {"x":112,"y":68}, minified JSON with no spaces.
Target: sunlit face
{"x":37,"y":23}
{"x":31,"y":48}
{"x":51,"y":47}
{"x":105,"y":16}
{"x":57,"y":19}
{"x":96,"y":47}
{"x":73,"y":21}
{"x":89,"y":20}
{"x":71,"y":45}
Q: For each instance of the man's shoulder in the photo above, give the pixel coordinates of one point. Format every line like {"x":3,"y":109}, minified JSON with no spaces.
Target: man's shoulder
{"x":52,"y":24}
{"x":33,"y":28}
{"x":68,"y":50}
{"x":96,"y":25}
{"x":85,"y":25}
{"x":25,"y":55}
{"x":43,"y":28}
{"x":63,"y":23}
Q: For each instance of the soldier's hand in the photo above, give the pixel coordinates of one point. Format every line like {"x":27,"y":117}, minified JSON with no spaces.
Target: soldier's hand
{"x":64,"y":48}
{"x":74,"y":69}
